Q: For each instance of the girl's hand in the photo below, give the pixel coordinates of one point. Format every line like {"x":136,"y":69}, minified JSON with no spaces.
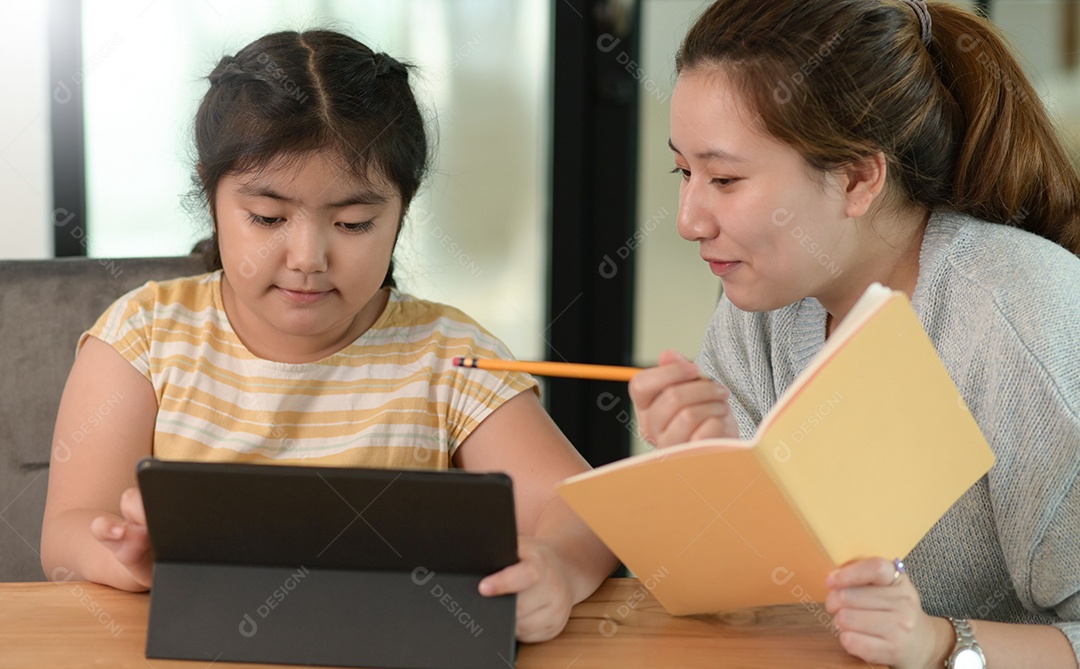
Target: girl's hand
{"x":128,"y":539}
{"x":881,"y":620}
{"x":676,"y":403}
{"x":542,"y":584}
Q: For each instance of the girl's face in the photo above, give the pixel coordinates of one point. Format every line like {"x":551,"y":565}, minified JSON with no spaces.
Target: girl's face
{"x":772,"y":228}
{"x":305,"y":247}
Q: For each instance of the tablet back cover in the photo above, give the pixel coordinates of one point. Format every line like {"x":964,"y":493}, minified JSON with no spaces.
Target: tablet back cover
{"x":339,"y":567}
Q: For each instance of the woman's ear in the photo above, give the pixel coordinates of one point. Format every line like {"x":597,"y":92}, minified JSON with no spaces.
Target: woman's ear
{"x":863,"y":181}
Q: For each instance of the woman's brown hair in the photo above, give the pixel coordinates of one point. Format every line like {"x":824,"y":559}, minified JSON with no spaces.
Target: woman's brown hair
{"x":958,"y":122}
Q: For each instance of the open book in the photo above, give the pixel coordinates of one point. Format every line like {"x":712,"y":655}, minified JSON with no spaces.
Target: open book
{"x":859,"y":457}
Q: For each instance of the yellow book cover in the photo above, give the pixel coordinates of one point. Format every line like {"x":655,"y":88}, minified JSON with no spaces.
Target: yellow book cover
{"x":865,"y":451}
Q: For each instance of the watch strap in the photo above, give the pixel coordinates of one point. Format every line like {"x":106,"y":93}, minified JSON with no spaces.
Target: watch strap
{"x":965,"y":639}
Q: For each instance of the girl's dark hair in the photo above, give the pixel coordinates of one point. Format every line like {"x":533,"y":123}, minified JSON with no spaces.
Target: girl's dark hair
{"x":958,"y":122}
{"x":290,"y":93}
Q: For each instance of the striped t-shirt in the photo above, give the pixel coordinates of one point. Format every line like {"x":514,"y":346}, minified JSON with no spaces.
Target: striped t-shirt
{"x":392,"y":398}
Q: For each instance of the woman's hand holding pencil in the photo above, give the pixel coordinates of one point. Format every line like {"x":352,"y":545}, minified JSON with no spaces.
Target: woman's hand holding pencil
{"x":676,"y":403}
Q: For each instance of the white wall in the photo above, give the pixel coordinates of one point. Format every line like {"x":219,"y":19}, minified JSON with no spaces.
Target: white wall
{"x":25,"y":166}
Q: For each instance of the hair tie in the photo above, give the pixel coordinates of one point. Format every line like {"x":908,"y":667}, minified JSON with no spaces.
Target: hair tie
{"x":384,"y":63}
{"x":228,"y":68}
{"x":923,"y":12}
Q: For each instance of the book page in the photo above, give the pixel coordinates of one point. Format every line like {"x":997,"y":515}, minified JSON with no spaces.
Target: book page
{"x":707,"y":529}
{"x":871,"y":301}
{"x":877,"y":444}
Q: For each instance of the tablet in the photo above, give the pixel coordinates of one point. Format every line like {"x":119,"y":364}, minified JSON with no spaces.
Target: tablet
{"x":325,"y":565}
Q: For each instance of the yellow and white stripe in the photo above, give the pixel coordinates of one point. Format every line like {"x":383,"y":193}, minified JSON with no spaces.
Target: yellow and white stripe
{"x":392,"y":398}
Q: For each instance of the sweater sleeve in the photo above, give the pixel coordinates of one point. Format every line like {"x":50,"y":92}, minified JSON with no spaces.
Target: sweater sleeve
{"x":1037,"y":502}
{"x":732,"y":353}
{"x":1064,"y":540}
{"x":1029,"y":413}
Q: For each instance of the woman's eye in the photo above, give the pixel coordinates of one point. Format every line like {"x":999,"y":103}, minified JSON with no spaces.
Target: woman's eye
{"x":723,"y":182}
{"x":265,"y":221}
{"x":363,"y":226}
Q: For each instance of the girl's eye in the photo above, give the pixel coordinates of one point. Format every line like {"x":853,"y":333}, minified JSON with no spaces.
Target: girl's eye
{"x":363,"y":226}
{"x":265,"y":221}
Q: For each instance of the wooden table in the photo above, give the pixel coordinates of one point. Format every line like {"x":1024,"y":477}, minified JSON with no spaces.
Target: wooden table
{"x":69,"y":625}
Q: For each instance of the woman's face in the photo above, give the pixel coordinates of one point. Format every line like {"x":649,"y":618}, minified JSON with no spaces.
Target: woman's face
{"x":770,"y":226}
{"x":305,"y":247}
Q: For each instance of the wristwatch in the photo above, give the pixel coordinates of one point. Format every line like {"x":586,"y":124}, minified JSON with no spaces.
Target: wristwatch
{"x":967,"y":653}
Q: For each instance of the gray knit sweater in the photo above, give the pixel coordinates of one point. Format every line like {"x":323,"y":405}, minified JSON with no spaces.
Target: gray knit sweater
{"x":1002,"y":307}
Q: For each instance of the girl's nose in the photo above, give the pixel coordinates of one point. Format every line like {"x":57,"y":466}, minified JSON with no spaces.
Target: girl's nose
{"x":308,"y":247}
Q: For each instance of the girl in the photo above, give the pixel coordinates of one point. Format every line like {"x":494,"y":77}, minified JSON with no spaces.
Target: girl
{"x":827,"y":144}
{"x":297,"y":348}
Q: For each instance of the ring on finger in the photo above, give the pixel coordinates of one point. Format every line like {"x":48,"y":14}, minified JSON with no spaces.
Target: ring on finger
{"x":898,"y":571}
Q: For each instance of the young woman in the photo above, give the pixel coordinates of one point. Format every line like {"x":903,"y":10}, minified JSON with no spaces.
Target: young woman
{"x":827,"y":144}
{"x":297,"y":348}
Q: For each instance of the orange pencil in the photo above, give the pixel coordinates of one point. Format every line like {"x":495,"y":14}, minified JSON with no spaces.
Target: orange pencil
{"x":567,"y":369}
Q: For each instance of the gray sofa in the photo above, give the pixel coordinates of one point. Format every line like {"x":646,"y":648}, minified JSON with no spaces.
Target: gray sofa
{"x":44,"y":306}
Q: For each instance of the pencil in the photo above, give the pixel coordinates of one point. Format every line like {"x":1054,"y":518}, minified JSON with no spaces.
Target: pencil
{"x":566,"y":369}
